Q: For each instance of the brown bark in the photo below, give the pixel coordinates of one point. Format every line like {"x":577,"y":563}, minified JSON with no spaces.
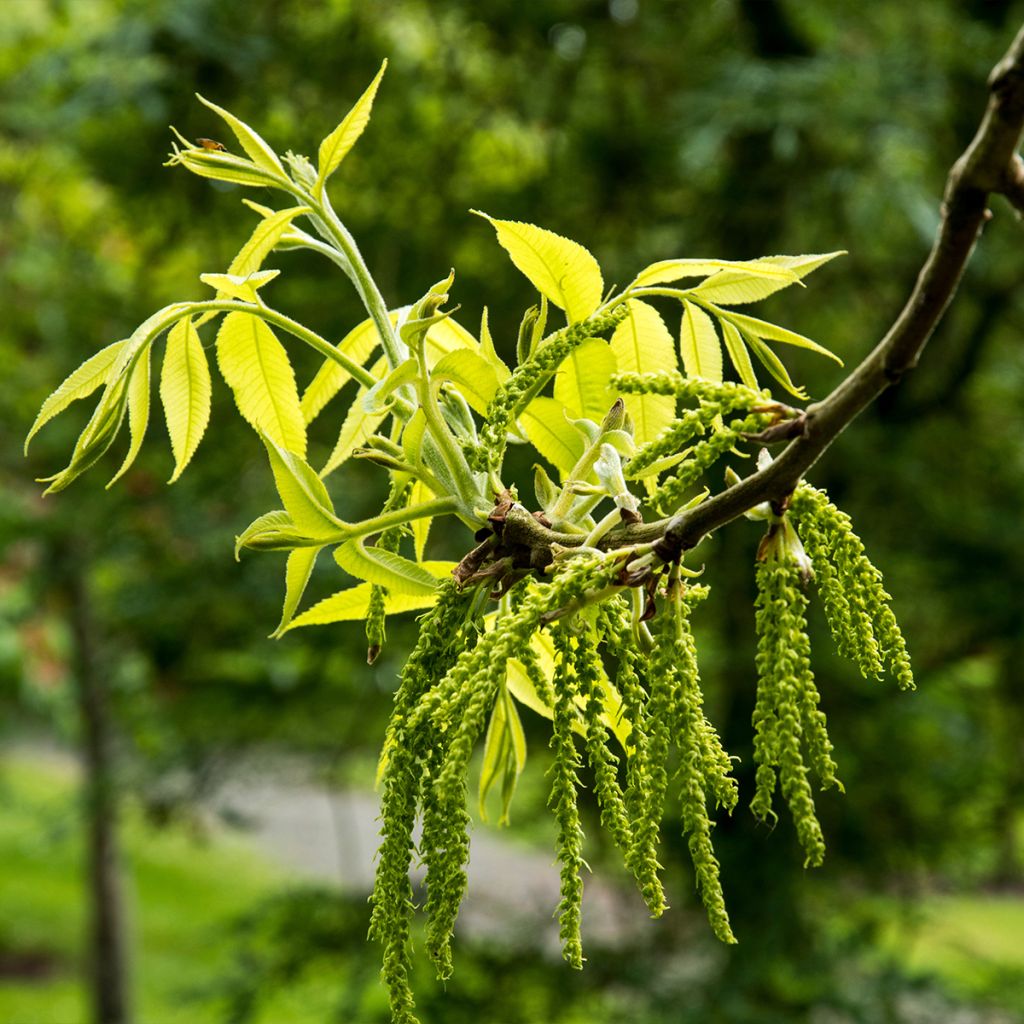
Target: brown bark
{"x":106,"y":952}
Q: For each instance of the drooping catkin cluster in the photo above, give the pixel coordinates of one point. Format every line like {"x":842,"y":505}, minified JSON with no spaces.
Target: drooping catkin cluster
{"x":668,"y":496}
{"x":446,"y":690}
{"x":856,"y":603}
{"x":528,"y":378}
{"x":634,"y":719}
{"x":715,"y":400}
{"x":787,"y":722}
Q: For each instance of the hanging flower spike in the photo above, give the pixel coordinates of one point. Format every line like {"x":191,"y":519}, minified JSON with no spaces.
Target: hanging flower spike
{"x":856,"y":603}
{"x":785,"y":689}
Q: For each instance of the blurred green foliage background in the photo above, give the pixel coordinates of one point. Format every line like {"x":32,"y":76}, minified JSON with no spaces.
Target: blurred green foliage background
{"x":645,"y":130}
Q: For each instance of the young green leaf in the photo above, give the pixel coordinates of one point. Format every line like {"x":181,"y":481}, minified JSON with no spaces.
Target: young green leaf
{"x":273,"y":531}
{"x":352,"y":604}
{"x":699,"y":344}
{"x":552,"y":434}
{"x":773,"y":364}
{"x":256,"y":149}
{"x":488,"y":351}
{"x":303,"y":494}
{"x":357,"y":426}
{"x":138,"y":411}
{"x":92,"y":374}
{"x":642,"y":344}
{"x":385,"y":568}
{"x":472,"y":373}
{"x":448,"y":335}
{"x":264,"y":237}
{"x":738,"y":354}
{"x":734,"y":287}
{"x":240,"y":286}
{"x":185,"y":391}
{"x":420,"y":494}
{"x":298,"y":569}
{"x":359,"y":344}
{"x":667,"y":271}
{"x":376,"y":399}
{"x":256,"y":367}
{"x":504,"y":754}
{"x":581,"y":382}
{"x":560,"y":269}
{"x":336,"y":146}
{"x":772,"y":332}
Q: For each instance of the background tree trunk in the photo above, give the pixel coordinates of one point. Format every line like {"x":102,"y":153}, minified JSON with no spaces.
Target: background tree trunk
{"x":106,"y":951}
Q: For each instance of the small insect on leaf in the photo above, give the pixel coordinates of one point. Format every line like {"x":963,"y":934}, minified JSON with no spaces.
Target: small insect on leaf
{"x":212,"y":144}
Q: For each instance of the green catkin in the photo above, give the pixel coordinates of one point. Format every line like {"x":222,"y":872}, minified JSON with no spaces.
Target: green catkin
{"x":717,"y":763}
{"x":444,"y":848}
{"x":602,"y":761}
{"x":703,"y":455}
{"x":857,"y":605}
{"x":528,"y":377}
{"x":673,"y":438}
{"x":700,"y":765}
{"x":642,"y":855}
{"x":784,"y":670}
{"x":662,"y":693}
{"x":389,"y":540}
{"x":564,"y":784}
{"x":727,"y":394}
{"x":441,"y":638}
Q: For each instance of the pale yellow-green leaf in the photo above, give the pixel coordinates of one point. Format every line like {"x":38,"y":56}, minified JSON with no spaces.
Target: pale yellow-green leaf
{"x":138,"y":411}
{"x":385,"y":568}
{"x":185,"y":390}
{"x":256,"y":367}
{"x":581,"y":382}
{"x":552,"y":434}
{"x":735,"y":287}
{"x":357,"y":426}
{"x":699,"y":345}
{"x":272,"y":531}
{"x":255,"y":148}
{"x":352,"y":604}
{"x":560,"y":269}
{"x":303,"y":494}
{"x":359,"y":344}
{"x":488,"y":351}
{"x":667,"y":271}
{"x":472,"y":374}
{"x":92,"y":374}
{"x":773,"y":364}
{"x":376,"y":398}
{"x":642,"y":344}
{"x":264,"y":237}
{"x":297,"y":571}
{"x":739,"y":355}
{"x":226,"y":167}
{"x":239,"y":286}
{"x":772,"y":332}
{"x":419,"y":494}
{"x":336,"y":146}
{"x":803,"y":265}
{"x":448,"y":335}
{"x":504,"y":755}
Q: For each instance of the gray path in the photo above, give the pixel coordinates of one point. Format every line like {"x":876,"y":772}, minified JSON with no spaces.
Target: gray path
{"x":331,"y":836}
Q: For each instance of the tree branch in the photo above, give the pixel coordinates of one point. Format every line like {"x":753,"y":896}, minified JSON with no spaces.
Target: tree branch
{"x":990,"y":164}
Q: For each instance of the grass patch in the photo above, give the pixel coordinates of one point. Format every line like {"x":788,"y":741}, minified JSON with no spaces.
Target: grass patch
{"x":181,"y":893}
